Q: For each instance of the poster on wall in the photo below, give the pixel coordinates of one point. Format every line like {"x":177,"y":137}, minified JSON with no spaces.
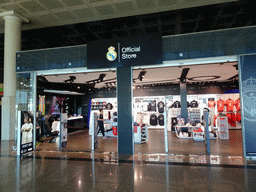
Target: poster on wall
{"x":223,"y":126}
{"x":25,"y":132}
{"x":42,"y":104}
{"x":56,"y":105}
{"x":63,"y":130}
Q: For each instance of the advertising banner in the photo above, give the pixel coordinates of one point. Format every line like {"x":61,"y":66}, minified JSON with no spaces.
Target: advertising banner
{"x":25,"y":132}
{"x":247,"y":71}
{"x":223,"y":125}
{"x":125,"y":52}
{"x":63,"y":130}
{"x":42,"y":104}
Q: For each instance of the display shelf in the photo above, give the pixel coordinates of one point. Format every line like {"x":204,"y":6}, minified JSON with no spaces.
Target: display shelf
{"x":140,"y":134}
{"x":198,"y":136}
{"x":184,"y":132}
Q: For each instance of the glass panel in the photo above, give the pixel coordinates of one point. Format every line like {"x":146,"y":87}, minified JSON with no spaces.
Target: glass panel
{"x":210,"y":44}
{"x":57,"y":58}
{"x":24,"y":95}
{"x":24,"y":92}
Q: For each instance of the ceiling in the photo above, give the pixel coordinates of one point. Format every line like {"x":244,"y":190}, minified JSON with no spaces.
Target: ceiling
{"x":157,"y":76}
{"x":58,"y":23}
{"x":46,"y":13}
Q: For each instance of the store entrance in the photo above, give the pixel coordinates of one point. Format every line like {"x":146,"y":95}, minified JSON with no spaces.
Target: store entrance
{"x":81,"y":96}
{"x":211,"y":87}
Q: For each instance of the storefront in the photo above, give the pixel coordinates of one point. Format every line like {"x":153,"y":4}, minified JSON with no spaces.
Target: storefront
{"x":179,"y":54}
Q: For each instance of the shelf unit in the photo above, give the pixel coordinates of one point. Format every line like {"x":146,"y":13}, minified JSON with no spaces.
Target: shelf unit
{"x":140,"y":134}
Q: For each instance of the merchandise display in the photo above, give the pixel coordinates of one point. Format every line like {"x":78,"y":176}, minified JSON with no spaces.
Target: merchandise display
{"x":153,"y":119}
{"x":211,"y":103}
{"x":109,"y":114}
{"x":230,"y":105}
{"x":150,"y":111}
{"x":160,"y":106}
{"x":193,"y":104}
{"x":140,"y":133}
{"x":220,"y":105}
{"x":176,"y":104}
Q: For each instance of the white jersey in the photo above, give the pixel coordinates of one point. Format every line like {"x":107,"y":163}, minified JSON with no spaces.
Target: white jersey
{"x":26,"y":133}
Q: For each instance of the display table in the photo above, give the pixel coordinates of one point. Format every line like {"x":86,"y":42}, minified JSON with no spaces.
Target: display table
{"x":198,"y":136}
{"x":184,"y":132}
{"x":76,"y":122}
{"x":140,"y":134}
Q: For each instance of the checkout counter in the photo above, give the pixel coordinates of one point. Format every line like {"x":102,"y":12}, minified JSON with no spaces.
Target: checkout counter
{"x":75,"y":123}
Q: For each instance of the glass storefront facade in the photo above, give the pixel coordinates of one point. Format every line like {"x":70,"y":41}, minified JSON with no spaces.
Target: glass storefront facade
{"x":214,"y":44}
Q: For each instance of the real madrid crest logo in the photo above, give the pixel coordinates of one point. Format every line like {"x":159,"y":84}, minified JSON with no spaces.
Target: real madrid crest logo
{"x":249,"y":97}
{"x":111,"y":54}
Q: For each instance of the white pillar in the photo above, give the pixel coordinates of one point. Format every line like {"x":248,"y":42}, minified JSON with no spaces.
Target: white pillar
{"x":12,"y":44}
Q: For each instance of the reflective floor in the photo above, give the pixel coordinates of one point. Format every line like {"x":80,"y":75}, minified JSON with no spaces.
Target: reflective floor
{"x":86,"y":171}
{"x":81,"y":141}
{"x":33,"y":174}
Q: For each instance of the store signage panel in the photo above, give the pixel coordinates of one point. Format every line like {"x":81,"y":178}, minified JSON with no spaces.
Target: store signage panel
{"x":125,"y":52}
{"x":25,"y":132}
{"x":248,"y":94}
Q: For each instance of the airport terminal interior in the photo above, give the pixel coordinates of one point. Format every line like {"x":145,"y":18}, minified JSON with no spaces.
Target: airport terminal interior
{"x":196,"y":145}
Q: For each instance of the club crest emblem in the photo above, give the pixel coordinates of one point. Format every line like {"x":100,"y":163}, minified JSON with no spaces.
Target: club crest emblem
{"x":249,"y":97}
{"x":111,"y":54}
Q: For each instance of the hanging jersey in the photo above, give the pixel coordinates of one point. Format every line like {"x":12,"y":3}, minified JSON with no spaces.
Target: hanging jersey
{"x":160,"y":106}
{"x":237,"y":104}
{"x":144,"y":107}
{"x":146,"y":119}
{"x":230,"y":105}
{"x":153,"y":105}
{"x":194,"y":104}
{"x":153,"y":119}
{"x":211,"y":103}
{"x":220,"y":105}
{"x":176,"y":104}
{"x":161,"y":120}
{"x":238,"y":117}
{"x":169,"y":104}
{"x":149,"y":107}
{"x":231,"y":119}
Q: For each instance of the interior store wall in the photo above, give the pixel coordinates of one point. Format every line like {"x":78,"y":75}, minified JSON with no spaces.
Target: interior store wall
{"x":160,"y":90}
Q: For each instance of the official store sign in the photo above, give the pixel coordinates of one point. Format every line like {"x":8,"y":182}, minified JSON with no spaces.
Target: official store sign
{"x":131,"y":51}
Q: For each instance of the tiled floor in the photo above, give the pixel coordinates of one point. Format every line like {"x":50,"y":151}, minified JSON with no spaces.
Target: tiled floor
{"x":32,"y":174}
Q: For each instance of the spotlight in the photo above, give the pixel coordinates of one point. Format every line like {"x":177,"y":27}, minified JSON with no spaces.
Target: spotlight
{"x":102,"y":77}
{"x":142,"y":75}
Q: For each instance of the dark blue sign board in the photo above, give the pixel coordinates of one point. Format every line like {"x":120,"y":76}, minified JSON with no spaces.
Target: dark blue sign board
{"x":248,"y":94}
{"x":125,"y":52}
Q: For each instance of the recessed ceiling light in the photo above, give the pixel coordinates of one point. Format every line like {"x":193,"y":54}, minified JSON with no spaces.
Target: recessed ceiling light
{"x":204,"y":78}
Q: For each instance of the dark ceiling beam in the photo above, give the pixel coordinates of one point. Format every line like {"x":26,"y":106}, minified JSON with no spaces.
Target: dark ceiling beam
{"x":127,"y":29}
{"x":197,"y":22}
{"x":178,"y":23}
{"x":92,"y":32}
{"x":159,"y":23}
{"x":218,"y":16}
{"x":142,"y":25}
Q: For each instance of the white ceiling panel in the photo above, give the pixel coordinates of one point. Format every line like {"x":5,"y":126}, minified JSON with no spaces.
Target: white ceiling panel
{"x":159,"y":75}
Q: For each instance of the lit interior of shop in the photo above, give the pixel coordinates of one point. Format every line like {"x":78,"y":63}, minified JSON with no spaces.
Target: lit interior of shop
{"x":156,"y":103}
